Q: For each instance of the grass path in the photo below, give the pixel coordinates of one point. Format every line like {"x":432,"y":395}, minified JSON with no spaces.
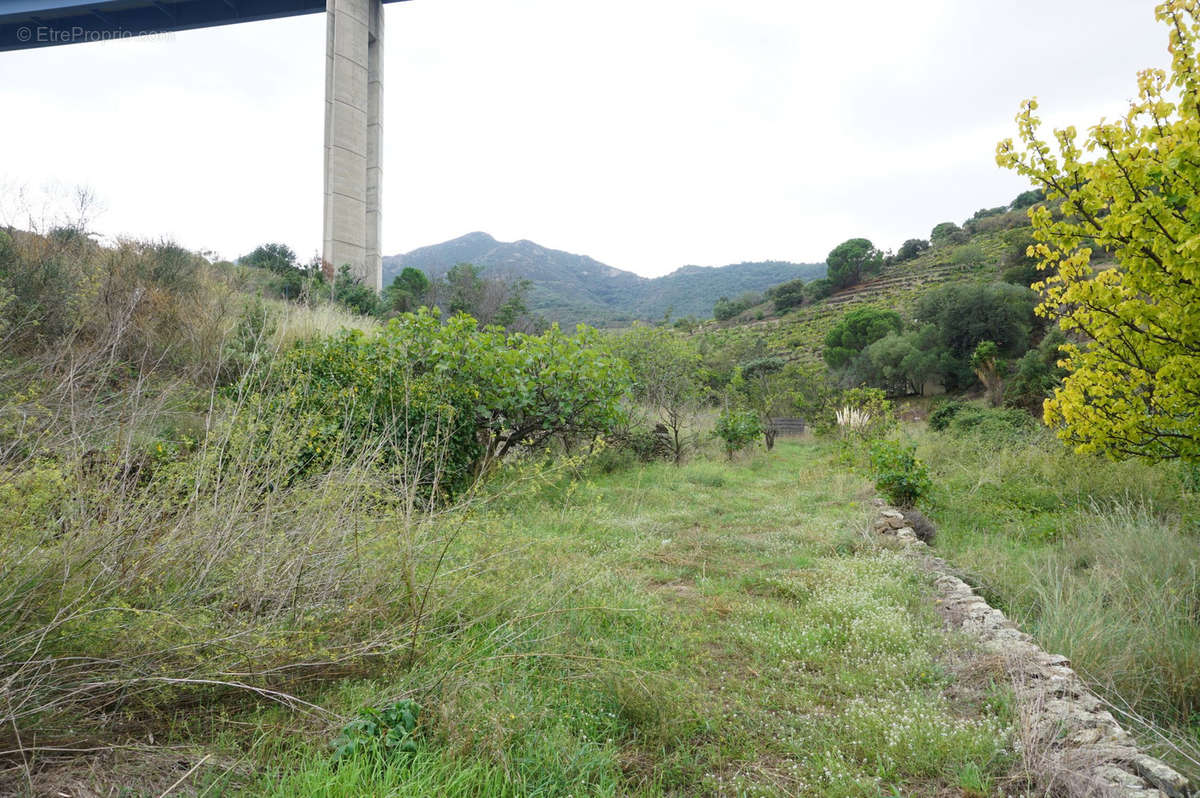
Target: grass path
{"x":715,"y":629}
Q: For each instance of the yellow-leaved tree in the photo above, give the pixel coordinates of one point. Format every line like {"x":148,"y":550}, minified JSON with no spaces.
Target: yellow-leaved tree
{"x":1133,"y":384}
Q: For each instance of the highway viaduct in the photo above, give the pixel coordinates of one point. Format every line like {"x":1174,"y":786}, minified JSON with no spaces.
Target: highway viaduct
{"x":353,"y":89}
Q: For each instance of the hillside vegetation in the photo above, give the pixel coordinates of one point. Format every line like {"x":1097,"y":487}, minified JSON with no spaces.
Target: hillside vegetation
{"x":575,"y":288}
{"x":799,"y":333}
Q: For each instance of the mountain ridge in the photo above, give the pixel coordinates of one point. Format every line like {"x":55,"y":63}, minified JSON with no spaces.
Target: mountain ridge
{"x":568,"y":287}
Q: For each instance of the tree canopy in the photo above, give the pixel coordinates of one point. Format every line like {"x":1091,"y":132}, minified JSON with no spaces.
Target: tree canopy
{"x":850,"y":260}
{"x":279,"y":258}
{"x":911,"y":249}
{"x":666,"y":377}
{"x":1133,"y":383}
{"x":408,"y":290}
{"x":855,"y":331}
{"x":787,"y":295}
{"x":967,"y":314}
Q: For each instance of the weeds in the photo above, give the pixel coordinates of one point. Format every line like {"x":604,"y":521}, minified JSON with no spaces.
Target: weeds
{"x":1096,"y":559}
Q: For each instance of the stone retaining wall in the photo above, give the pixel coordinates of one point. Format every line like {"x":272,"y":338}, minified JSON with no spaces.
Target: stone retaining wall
{"x":1078,"y":743}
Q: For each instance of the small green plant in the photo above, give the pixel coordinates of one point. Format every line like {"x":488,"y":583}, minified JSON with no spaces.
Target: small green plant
{"x":387,"y":732}
{"x":898,"y":473}
{"x":737,"y":428}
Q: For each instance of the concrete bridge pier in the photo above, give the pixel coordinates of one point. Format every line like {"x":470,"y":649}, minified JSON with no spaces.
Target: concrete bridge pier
{"x":353,"y":138}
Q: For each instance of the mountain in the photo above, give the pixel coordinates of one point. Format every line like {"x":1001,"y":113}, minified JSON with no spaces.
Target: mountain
{"x":572,"y":288}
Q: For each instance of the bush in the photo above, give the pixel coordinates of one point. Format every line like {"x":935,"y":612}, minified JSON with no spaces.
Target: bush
{"x":350,"y":292}
{"x":898,"y":474}
{"x":431,"y":397}
{"x":911,"y":249}
{"x":864,"y":414}
{"x":135,"y":302}
{"x":1036,"y":374}
{"x":726,"y":308}
{"x":737,"y":428}
{"x":819,"y":289}
{"x":944,"y":233}
{"x":968,"y":255}
{"x":1000,"y":426}
{"x":941,"y":415}
{"x":787,"y":295}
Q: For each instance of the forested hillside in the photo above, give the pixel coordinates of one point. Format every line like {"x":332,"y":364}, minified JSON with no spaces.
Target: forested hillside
{"x":573,"y":288}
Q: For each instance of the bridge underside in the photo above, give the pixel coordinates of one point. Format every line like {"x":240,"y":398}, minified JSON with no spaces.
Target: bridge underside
{"x":42,"y":23}
{"x":353,"y":89}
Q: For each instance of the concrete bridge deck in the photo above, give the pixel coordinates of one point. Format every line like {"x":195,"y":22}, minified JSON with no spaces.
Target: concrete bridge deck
{"x":353,"y":90}
{"x":42,"y":23}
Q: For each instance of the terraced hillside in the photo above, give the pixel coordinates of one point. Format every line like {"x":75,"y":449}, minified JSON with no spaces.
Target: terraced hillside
{"x":799,"y":334}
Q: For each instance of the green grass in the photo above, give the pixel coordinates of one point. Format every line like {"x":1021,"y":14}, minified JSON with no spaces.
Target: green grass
{"x":712,"y":629}
{"x":1098,"y":560}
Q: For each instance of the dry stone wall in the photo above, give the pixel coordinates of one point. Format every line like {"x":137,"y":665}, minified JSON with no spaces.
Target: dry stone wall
{"x":1078,"y":743}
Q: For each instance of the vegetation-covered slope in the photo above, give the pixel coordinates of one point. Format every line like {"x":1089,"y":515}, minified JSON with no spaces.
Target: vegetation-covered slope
{"x":573,"y":288}
{"x":799,"y":333}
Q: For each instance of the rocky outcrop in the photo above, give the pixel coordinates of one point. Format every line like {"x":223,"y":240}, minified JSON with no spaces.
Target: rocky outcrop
{"x":1076,"y":742}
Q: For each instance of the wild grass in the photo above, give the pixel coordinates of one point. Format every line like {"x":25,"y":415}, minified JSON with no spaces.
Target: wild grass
{"x":296,"y":322}
{"x":657,"y":631}
{"x":168,"y":583}
{"x":1098,"y":560}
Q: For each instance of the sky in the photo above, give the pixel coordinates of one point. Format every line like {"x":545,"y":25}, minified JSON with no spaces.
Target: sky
{"x":648,"y":134}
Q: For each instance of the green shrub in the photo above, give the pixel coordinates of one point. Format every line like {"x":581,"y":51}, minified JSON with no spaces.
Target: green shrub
{"x":898,"y":474}
{"x":737,"y":428}
{"x":430,"y":398}
{"x":941,"y":416}
{"x":350,"y":292}
{"x":819,"y":289}
{"x":32,"y":500}
{"x":999,"y":426}
{"x":911,"y":249}
{"x":787,"y":295}
{"x":725,"y":308}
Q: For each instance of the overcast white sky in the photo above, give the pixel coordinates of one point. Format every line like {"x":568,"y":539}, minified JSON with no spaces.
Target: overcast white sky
{"x":646,"y":133}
